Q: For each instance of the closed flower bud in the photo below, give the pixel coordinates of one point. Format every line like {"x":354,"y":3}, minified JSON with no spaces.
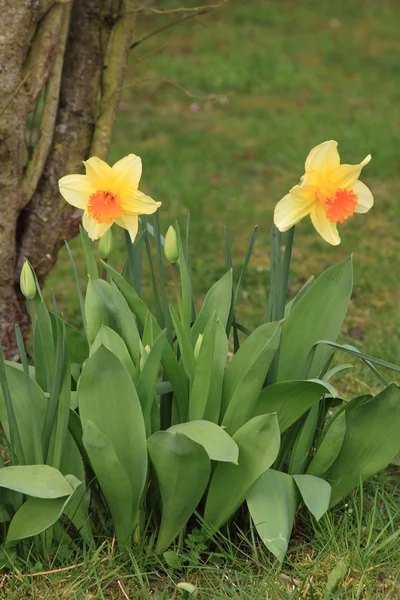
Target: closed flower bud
{"x":171,"y":246}
{"x":27,"y":281}
{"x":144,"y":354}
{"x":197,"y":346}
{"x":106,"y":244}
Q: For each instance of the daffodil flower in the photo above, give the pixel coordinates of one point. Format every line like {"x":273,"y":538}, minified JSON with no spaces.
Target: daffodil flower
{"x":108,"y":195}
{"x":329,"y":192}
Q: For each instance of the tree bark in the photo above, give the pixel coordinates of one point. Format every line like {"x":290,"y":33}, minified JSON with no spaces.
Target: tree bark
{"x":77,"y":51}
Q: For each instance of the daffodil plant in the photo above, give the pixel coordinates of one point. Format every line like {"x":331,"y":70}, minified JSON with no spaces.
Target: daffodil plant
{"x":143,"y":423}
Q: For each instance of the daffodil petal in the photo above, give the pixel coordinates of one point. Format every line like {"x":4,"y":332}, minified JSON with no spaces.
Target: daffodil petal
{"x":100,"y":174}
{"x":365,"y":197}
{"x":134,"y":202}
{"x":326,"y":229}
{"x":128,"y":172}
{"x":323,"y":157}
{"x":345,"y":176}
{"x":129,"y":222}
{"x":290,"y":211}
{"x":307,"y":187}
{"x":76,"y":189}
{"x":94,"y":229}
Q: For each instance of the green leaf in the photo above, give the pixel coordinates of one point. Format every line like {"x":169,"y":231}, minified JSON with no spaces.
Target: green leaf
{"x":172,"y":559}
{"x":78,"y":349}
{"x":35,"y":516}
{"x":115,"y":344}
{"x":318,"y":315}
{"x":77,"y":507}
{"x":216,"y":442}
{"x":316,"y":493}
{"x":371,"y":441}
{"x":26,"y":400}
{"x":189,"y":591}
{"x":147,"y":381}
{"x":126,"y":324}
{"x":329,"y":446}
{"x":337,"y":574}
{"x":173,"y":369}
{"x":272,"y":504}
{"x":186,"y":286}
{"x":185,"y":345}
{"x":43,"y":348}
{"x":258,"y":442}
{"x":304,"y":441}
{"x":246,"y":374}
{"x":218,"y":300}
{"x":183,"y":469}
{"x":113,"y":481}
{"x":201,"y":387}
{"x":289,"y":400}
{"x":98,"y":307}
{"x":107,"y":397}
{"x":90,"y":260}
{"x":40,"y":481}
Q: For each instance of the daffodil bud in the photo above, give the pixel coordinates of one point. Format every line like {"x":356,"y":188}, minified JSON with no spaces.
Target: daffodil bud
{"x":197,"y":346}
{"x":171,"y":246}
{"x":144,"y":354}
{"x":27,"y":281}
{"x":106,"y":244}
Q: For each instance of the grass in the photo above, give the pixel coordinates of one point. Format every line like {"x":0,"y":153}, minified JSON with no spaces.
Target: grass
{"x":223,"y":111}
{"x":270,"y":81}
{"x":352,"y":553}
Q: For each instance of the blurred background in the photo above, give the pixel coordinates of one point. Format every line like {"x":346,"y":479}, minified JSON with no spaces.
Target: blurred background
{"x":224,"y":108}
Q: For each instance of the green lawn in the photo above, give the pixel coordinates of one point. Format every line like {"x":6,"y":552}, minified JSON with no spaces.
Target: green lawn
{"x":223,"y":111}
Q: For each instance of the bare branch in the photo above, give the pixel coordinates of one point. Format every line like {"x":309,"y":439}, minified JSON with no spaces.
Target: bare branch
{"x":14,"y":93}
{"x":177,"y":86}
{"x":172,"y":24}
{"x":181,"y":9}
{"x":35,"y":167}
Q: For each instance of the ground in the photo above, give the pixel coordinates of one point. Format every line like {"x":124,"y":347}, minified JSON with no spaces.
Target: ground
{"x":223,"y":110}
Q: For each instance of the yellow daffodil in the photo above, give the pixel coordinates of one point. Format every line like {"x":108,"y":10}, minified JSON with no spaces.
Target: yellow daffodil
{"x":329,"y":192}
{"x":108,"y":195}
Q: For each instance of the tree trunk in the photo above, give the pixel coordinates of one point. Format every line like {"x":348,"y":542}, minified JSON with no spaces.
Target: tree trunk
{"x":77,"y":53}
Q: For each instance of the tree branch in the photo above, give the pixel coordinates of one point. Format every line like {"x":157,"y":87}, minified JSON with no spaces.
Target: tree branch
{"x":168,"y":25}
{"x":180,"y":9}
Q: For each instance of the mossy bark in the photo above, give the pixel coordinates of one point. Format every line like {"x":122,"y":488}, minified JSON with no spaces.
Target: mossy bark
{"x":75,"y":54}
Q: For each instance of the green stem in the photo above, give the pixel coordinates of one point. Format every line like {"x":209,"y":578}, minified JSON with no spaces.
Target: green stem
{"x":177,"y":289}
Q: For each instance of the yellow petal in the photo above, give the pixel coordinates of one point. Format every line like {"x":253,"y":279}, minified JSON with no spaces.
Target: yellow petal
{"x":94,"y":229}
{"x":76,"y":189}
{"x":100,"y":174}
{"x":134,"y":202}
{"x":128,"y":172}
{"x":129,"y":222}
{"x":326,"y":229}
{"x":345,"y":176}
{"x":289,"y":211}
{"x":323,"y":157}
{"x":307,"y":187}
{"x":365,"y":197}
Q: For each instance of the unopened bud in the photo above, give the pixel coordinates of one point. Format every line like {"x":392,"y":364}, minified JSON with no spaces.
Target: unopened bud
{"x":106,"y":244}
{"x":197,"y":346}
{"x":144,"y":354}
{"x":27,"y":281}
{"x":171,"y":246}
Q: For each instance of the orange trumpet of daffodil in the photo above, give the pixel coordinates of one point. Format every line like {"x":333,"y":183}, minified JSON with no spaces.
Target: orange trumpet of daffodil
{"x":328,"y":191}
{"x":108,"y":195}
